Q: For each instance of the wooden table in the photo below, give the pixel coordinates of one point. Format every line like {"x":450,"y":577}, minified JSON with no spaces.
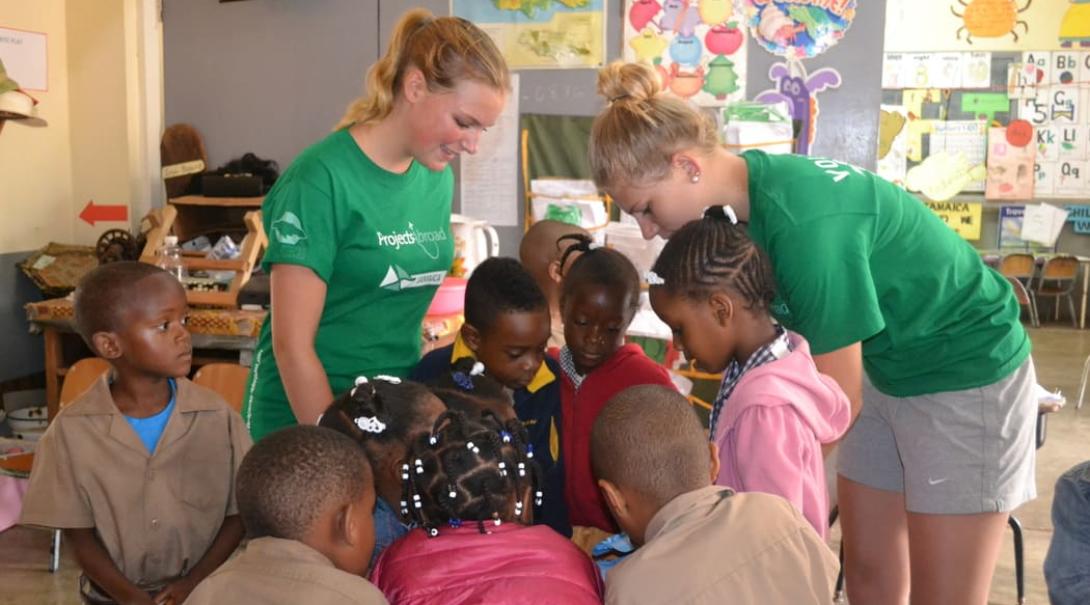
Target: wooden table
{"x":219,"y":329}
{"x":223,"y":329}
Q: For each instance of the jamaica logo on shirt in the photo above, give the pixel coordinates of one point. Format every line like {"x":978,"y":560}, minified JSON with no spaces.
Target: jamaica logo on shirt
{"x":398,"y":279}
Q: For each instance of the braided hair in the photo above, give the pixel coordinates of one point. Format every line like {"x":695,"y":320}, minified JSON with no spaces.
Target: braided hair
{"x":469,"y":471}
{"x":713,"y":254}
{"x":468,"y":389}
{"x":379,"y":414}
{"x":599,"y":266}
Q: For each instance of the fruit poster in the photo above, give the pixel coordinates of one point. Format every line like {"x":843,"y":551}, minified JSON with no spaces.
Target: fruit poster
{"x":541,"y":33}
{"x":697,"y":47}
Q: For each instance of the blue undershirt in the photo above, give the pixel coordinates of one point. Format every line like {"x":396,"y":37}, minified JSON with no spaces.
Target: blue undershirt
{"x":150,"y":429}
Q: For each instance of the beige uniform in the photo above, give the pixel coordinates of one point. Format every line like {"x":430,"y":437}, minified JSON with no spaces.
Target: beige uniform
{"x":155,"y":514}
{"x":272,"y":570}
{"x":708,"y":546}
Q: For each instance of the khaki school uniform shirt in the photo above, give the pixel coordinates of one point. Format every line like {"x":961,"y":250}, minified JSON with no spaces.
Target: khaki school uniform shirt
{"x":272,"y":570}
{"x":712,"y":546}
{"x":155,"y":514}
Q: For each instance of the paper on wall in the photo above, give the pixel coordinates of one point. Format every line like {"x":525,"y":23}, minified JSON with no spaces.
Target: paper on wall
{"x":489,"y":178}
{"x":967,"y":137}
{"x":892,"y":143}
{"x":1071,"y":179}
{"x":976,"y":70}
{"x":569,"y":193}
{"x":1010,"y":168}
{"x":25,"y":58}
{"x":1042,"y":223}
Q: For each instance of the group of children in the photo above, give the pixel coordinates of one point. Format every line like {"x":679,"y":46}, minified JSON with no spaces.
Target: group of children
{"x":527,"y":447}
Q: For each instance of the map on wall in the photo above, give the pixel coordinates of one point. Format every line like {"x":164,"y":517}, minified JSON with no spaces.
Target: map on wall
{"x":541,"y":33}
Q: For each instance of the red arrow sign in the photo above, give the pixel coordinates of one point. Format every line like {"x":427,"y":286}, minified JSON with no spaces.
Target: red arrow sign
{"x":92,"y":213}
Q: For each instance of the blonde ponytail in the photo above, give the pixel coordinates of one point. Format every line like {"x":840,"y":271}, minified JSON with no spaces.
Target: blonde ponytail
{"x":634,"y":139}
{"x":447,"y":50}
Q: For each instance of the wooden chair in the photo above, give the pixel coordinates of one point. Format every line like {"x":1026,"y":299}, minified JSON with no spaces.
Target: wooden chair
{"x":1020,"y":266}
{"x":227,"y":379}
{"x":1058,"y":278}
{"x":80,"y":377}
{"x":1026,"y":300}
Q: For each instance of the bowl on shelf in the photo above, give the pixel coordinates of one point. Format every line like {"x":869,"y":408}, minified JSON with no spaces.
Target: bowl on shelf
{"x":28,"y":419}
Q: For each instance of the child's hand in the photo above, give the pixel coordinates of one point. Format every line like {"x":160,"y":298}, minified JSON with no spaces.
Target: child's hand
{"x":176,"y":592}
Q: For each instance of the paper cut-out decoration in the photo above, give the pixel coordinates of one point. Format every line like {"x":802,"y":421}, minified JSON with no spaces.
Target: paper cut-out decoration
{"x":798,"y":29}
{"x":1010,"y":168}
{"x":990,"y":18}
{"x":1075,"y":26}
{"x":1019,"y":133}
{"x":890,"y":125}
{"x":943,"y":175}
{"x":695,"y":45}
{"x":800,"y":92}
{"x":984,"y":105}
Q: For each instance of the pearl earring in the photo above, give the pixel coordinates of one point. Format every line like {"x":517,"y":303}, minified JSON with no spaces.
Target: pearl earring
{"x":695,"y":178}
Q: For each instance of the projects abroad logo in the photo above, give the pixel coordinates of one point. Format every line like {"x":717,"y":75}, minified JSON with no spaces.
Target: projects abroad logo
{"x":427,"y":240}
{"x":398,"y":279}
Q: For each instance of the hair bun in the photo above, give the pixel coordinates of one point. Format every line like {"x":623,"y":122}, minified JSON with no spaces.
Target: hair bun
{"x":621,"y":82}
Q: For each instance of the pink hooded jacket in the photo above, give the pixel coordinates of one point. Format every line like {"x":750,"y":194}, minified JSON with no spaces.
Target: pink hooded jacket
{"x":771,"y":429}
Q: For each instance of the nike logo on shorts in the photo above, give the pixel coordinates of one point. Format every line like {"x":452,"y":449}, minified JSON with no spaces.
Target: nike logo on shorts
{"x":931,"y":481}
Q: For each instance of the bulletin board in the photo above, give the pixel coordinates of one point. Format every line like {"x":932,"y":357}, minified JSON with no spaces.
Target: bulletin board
{"x":943,"y":129}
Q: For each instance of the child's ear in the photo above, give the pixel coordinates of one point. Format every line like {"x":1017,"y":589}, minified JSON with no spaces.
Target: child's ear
{"x":107,"y":345}
{"x":345,"y":530}
{"x":471,"y":336}
{"x":713,"y":451}
{"x":553,"y":269}
{"x":615,"y":500}
{"x":722,"y":307}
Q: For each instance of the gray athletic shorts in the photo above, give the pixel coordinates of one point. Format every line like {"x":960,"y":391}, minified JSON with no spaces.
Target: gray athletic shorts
{"x":957,"y":452}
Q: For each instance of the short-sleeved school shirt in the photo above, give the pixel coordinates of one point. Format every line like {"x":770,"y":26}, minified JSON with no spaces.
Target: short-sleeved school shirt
{"x":155,"y":514}
{"x":382,"y":244}
{"x":857,"y":258}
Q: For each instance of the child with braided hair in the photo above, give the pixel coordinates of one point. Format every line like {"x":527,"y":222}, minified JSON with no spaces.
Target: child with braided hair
{"x":713,"y":286}
{"x":383,"y":415}
{"x":468,"y":388}
{"x":469,"y":485}
{"x":599,"y":296}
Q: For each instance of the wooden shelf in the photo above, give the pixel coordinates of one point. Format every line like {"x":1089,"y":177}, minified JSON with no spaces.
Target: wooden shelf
{"x":200,"y":200}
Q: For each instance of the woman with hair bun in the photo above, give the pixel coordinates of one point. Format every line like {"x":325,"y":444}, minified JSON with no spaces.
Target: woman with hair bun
{"x":923,"y":338}
{"x":359,"y":225}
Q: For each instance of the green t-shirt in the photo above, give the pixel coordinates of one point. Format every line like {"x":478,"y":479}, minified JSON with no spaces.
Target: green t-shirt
{"x":382,"y":244}
{"x":857,"y":258}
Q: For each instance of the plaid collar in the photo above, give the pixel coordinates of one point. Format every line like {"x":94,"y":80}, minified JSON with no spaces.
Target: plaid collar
{"x":777,"y":349}
{"x":567,"y":364}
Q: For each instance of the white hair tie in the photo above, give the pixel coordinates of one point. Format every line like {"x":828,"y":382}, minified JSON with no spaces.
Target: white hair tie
{"x":653,"y":279}
{"x":370,"y":424}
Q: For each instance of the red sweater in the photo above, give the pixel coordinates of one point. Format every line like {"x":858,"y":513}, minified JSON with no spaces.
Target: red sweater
{"x":579,"y":408}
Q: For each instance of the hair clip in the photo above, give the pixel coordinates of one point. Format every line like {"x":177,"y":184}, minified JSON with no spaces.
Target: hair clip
{"x":518,"y":508}
{"x":497,"y":522}
{"x":522,"y":469}
{"x":404,"y":472}
{"x":505,"y":436}
{"x":433,"y":532}
{"x":503,"y":469}
{"x":529,"y":450}
{"x":477,"y":370}
{"x":404,"y":508}
{"x":433,"y":440}
{"x":724,"y":212}
{"x":472,"y":446}
{"x":653,"y":279}
{"x":538,"y":498}
{"x":451,"y":493}
{"x":419,"y":466}
{"x":388,"y":378}
{"x":463,"y":381}
{"x":359,"y":380}
{"x":370,"y":424}
{"x":416,"y":501}
{"x":455,"y":523}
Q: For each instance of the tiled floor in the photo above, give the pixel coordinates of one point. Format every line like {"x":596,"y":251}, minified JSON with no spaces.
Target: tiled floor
{"x":1059,"y":354}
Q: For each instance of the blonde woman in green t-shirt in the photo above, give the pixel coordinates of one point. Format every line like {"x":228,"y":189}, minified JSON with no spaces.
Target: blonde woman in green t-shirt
{"x":899,"y":310}
{"x":359,"y":225}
